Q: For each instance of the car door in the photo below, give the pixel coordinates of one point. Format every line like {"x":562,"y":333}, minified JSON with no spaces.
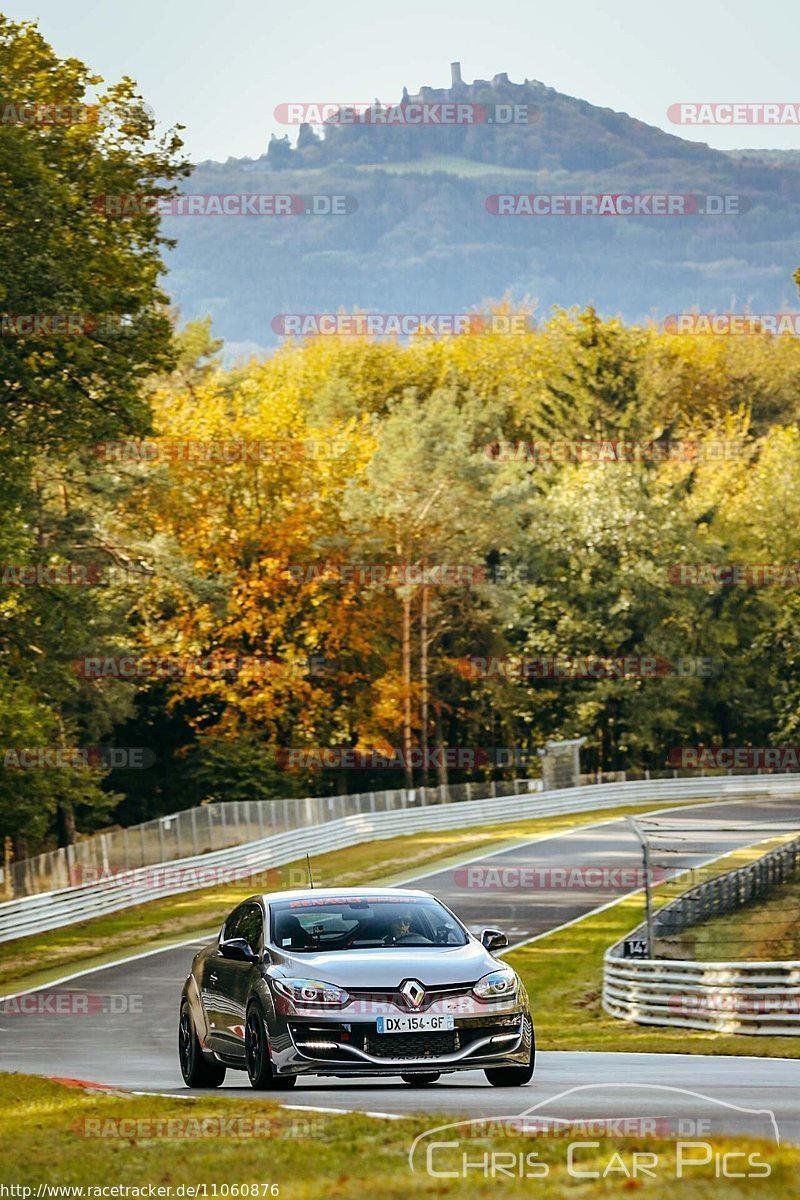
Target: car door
{"x":228,"y":981}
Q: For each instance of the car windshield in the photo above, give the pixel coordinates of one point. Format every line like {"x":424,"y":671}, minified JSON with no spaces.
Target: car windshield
{"x":356,"y":923}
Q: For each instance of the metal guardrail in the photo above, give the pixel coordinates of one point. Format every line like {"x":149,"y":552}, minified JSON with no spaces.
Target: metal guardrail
{"x":748,"y":997}
{"x":217,"y":826}
{"x":732,"y":997}
{"x":117,"y":890}
{"x":254,"y":862}
{"x":726,"y":893}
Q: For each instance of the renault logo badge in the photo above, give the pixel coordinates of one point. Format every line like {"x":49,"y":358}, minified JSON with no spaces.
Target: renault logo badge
{"x":413,"y":993}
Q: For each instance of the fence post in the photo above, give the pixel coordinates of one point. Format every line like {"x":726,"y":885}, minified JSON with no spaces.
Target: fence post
{"x":648,"y":895}
{"x":70,"y":853}
{"x":8,"y":882}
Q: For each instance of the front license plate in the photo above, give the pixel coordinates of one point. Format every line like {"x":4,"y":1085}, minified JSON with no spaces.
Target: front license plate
{"x":422,"y":1024}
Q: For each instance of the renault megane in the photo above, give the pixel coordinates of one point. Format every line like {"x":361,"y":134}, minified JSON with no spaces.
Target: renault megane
{"x":350,"y":983}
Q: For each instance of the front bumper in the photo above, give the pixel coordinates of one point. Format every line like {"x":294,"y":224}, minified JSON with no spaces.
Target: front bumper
{"x":494,"y":1034}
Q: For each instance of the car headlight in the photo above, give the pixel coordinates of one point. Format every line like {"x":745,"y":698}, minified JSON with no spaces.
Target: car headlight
{"x":497,"y":985}
{"x":312,"y":991}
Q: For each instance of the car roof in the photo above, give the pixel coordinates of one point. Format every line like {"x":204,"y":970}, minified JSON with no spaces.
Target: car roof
{"x":346,"y":893}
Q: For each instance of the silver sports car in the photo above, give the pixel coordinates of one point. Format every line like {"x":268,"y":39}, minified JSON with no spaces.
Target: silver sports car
{"x":361,"y":982}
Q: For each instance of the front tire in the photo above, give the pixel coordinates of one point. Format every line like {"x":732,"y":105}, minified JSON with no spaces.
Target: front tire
{"x":256,"y":1053}
{"x":514,"y":1076}
{"x":196,"y":1069}
{"x":423,"y":1079}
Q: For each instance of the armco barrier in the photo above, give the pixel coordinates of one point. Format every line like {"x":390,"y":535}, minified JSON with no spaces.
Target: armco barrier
{"x":53,"y":910}
{"x":728,"y":892}
{"x":725,"y":997}
{"x":218,"y":826}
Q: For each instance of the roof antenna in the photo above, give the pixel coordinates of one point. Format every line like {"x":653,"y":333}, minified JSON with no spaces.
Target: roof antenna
{"x":310,"y":876}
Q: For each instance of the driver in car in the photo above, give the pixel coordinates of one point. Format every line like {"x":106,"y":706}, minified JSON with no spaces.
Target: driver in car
{"x":399,"y":928}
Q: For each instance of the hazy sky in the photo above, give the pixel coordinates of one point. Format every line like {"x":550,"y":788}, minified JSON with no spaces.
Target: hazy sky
{"x":221,"y":66}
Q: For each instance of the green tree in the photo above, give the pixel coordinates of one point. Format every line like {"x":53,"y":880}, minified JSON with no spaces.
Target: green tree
{"x":85,"y":323}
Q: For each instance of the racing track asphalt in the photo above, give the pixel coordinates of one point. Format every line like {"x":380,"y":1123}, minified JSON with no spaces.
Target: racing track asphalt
{"x":126,"y":1037}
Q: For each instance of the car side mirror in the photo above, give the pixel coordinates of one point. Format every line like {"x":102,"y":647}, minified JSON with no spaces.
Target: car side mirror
{"x":494,"y":939}
{"x":238,"y":949}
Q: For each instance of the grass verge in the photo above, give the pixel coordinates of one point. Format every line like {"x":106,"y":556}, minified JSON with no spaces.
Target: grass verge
{"x":309,"y":1155}
{"x":39,"y":958}
{"x":563,"y":973}
{"x":768,"y":931}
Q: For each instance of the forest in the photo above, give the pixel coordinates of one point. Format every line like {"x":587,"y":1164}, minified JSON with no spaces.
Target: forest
{"x":356,"y":562}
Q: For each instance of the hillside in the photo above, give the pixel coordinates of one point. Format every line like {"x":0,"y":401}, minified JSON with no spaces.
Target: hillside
{"x":551,"y":131}
{"x":421,"y":238}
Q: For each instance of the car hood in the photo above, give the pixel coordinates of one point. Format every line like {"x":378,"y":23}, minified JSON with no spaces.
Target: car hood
{"x":387,"y":966}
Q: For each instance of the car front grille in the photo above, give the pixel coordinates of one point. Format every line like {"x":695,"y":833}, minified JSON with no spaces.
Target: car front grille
{"x":336,"y":1041}
{"x":433,"y":995}
{"x":412,"y":1045}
